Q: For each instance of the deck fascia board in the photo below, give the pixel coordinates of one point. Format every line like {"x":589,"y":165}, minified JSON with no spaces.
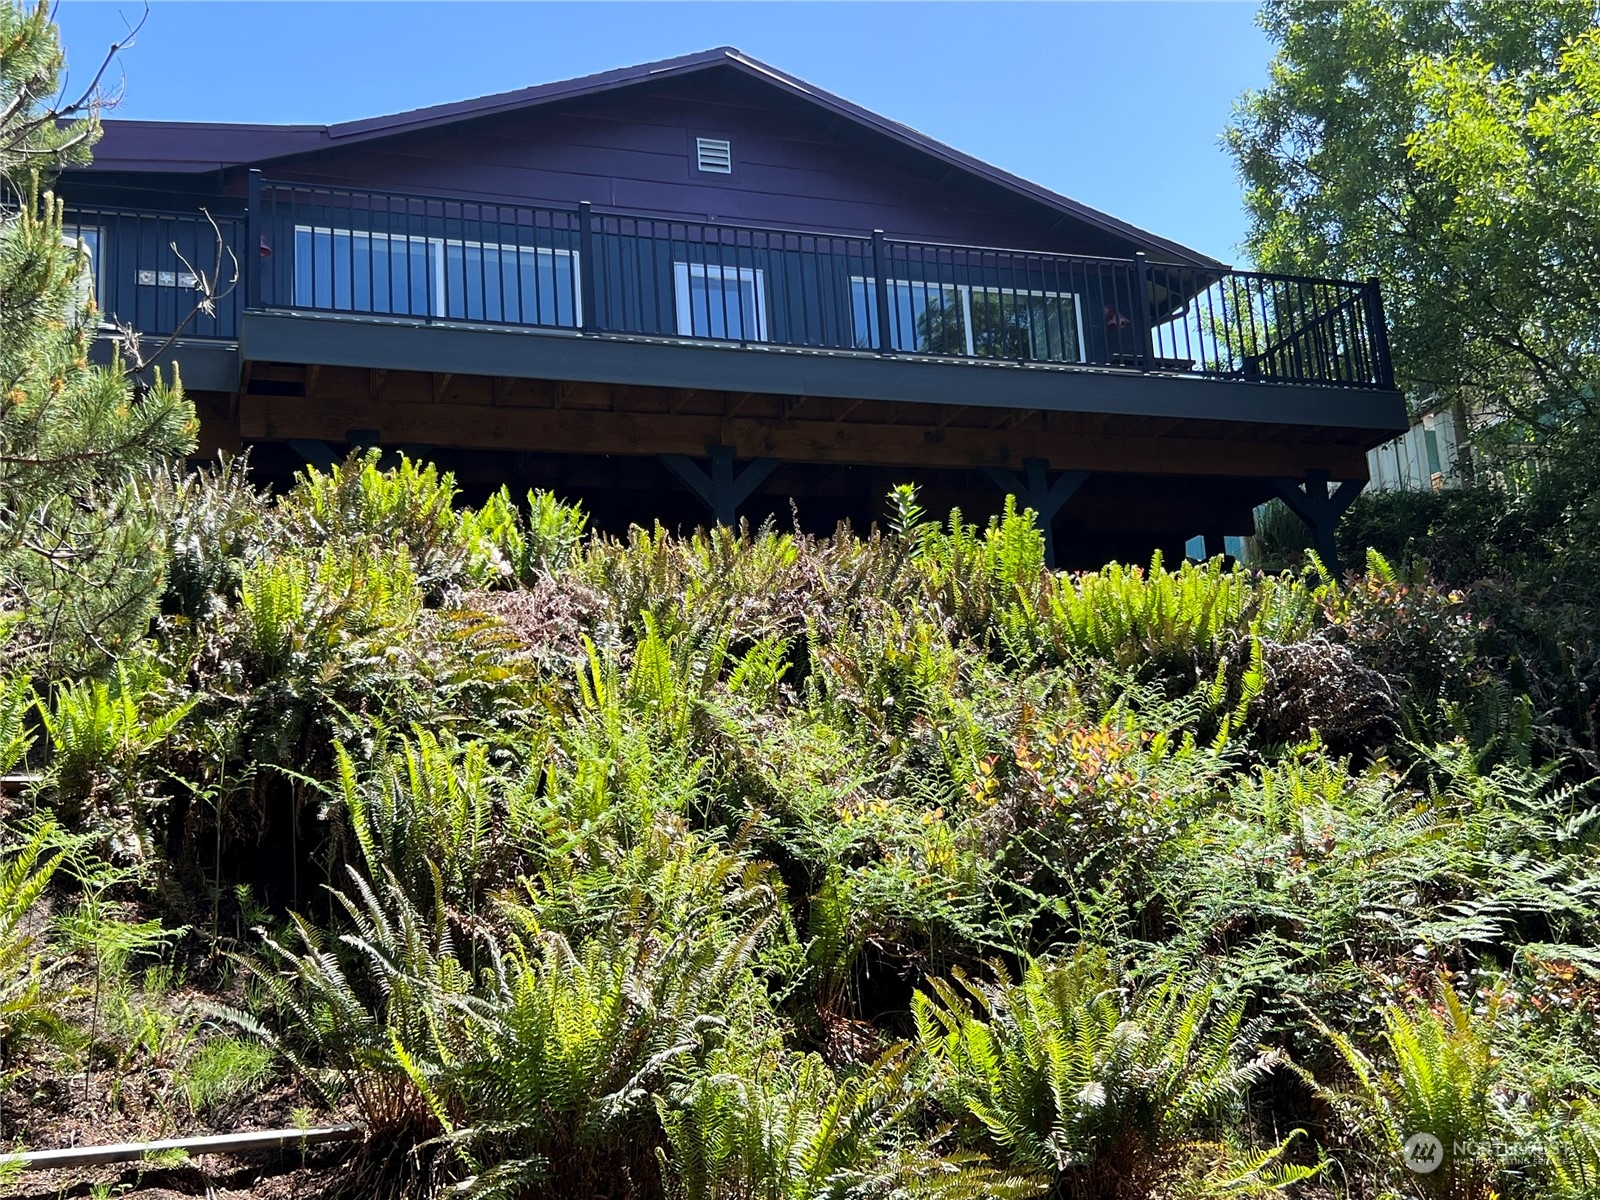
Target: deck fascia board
{"x":337,"y":341}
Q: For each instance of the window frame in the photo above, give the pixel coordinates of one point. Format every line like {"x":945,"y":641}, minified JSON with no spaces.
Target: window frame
{"x":97,"y":258}
{"x":437,"y":251}
{"x":555,"y":252}
{"x":964,"y":291}
{"x":684,"y":271}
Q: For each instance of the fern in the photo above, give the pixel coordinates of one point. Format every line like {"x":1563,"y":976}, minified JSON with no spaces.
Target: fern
{"x":787,"y":1129}
{"x":1438,"y":1076}
{"x":1069,"y":1075}
{"x":26,"y":1002}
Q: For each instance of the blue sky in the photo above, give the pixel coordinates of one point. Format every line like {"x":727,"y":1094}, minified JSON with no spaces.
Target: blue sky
{"x":1119,"y":105}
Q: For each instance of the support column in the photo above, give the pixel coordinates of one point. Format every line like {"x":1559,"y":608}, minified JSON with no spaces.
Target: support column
{"x":1215,"y":544}
{"x":721,"y":490}
{"x":1035,"y":491}
{"x":1319,"y":509}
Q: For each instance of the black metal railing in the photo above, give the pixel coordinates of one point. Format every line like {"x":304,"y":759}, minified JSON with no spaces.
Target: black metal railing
{"x":347,"y":250}
{"x":382,"y":253}
{"x":1272,"y":328}
{"x":146,"y":268}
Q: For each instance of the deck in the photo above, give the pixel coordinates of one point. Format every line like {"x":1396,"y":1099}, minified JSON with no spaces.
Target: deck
{"x":553,"y":334}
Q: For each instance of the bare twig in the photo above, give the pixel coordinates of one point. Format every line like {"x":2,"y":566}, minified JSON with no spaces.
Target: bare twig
{"x":211,"y":288}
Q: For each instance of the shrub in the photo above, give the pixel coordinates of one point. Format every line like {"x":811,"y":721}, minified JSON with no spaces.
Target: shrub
{"x":533,"y":1057}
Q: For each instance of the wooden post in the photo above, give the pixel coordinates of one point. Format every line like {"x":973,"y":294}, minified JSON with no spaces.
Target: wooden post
{"x":721,"y":490}
{"x":1320,"y":509}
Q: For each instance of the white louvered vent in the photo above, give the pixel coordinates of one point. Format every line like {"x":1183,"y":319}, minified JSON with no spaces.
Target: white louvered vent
{"x":714,"y":154}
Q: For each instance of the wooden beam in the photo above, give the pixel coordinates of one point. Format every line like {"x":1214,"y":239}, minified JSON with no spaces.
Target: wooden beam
{"x":440,"y":384}
{"x":375,"y":380}
{"x":583,"y":431}
{"x":313,"y":373}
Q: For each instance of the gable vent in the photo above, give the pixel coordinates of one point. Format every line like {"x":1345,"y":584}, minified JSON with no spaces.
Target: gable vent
{"x":714,"y":154}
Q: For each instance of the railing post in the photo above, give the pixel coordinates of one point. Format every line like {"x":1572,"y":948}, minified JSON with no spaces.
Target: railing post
{"x":1380,"y":333}
{"x":880,"y":273}
{"x":252,"y":243}
{"x":1141,"y":310}
{"x":586,"y":273}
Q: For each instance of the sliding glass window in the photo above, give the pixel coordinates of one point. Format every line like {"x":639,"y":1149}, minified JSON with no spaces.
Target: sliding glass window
{"x":514,"y":285}
{"x":977,"y":322}
{"x":408,"y":275}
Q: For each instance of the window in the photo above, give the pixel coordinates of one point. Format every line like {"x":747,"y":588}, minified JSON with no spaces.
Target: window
{"x":714,"y":155}
{"x":355,"y":271}
{"x":90,"y":238}
{"x":929,"y":318}
{"x":979,"y":322}
{"x":516,"y":285}
{"x":715,"y":301}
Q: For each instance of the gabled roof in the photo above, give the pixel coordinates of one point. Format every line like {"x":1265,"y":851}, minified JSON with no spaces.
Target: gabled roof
{"x":182,"y":146}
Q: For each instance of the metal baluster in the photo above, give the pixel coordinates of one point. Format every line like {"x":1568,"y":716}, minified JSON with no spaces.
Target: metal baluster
{"x":746,"y":320}
{"x":1382,"y":375}
{"x":880,"y":273}
{"x":586,"y":267}
{"x":252,"y":258}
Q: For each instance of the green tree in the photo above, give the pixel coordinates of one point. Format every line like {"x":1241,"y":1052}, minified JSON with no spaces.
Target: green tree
{"x":80,"y":563}
{"x":1449,"y":147}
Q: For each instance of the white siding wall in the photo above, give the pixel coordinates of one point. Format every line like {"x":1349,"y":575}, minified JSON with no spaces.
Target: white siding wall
{"x":1424,"y":458}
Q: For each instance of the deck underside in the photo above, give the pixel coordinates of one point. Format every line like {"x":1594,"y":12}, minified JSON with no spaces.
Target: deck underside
{"x":1168,"y":458}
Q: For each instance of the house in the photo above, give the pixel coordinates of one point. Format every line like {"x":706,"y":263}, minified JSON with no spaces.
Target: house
{"x":1433,"y":454}
{"x":701,"y":289}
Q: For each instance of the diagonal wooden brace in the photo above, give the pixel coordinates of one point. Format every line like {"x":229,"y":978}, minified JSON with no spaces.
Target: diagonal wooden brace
{"x":317,"y":454}
{"x":1039,"y":494}
{"x":1319,"y":509}
{"x":721,"y":490}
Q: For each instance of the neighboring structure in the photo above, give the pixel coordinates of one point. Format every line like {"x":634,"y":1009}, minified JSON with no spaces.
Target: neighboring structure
{"x":701,"y":287}
{"x":1427,"y":457}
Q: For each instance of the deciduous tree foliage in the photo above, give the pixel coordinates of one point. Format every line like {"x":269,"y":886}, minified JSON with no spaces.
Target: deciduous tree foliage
{"x":1451,"y":149}
{"x":79,"y":565}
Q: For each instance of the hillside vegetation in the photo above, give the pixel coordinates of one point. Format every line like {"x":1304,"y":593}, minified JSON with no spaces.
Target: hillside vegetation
{"x":748,"y":864}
